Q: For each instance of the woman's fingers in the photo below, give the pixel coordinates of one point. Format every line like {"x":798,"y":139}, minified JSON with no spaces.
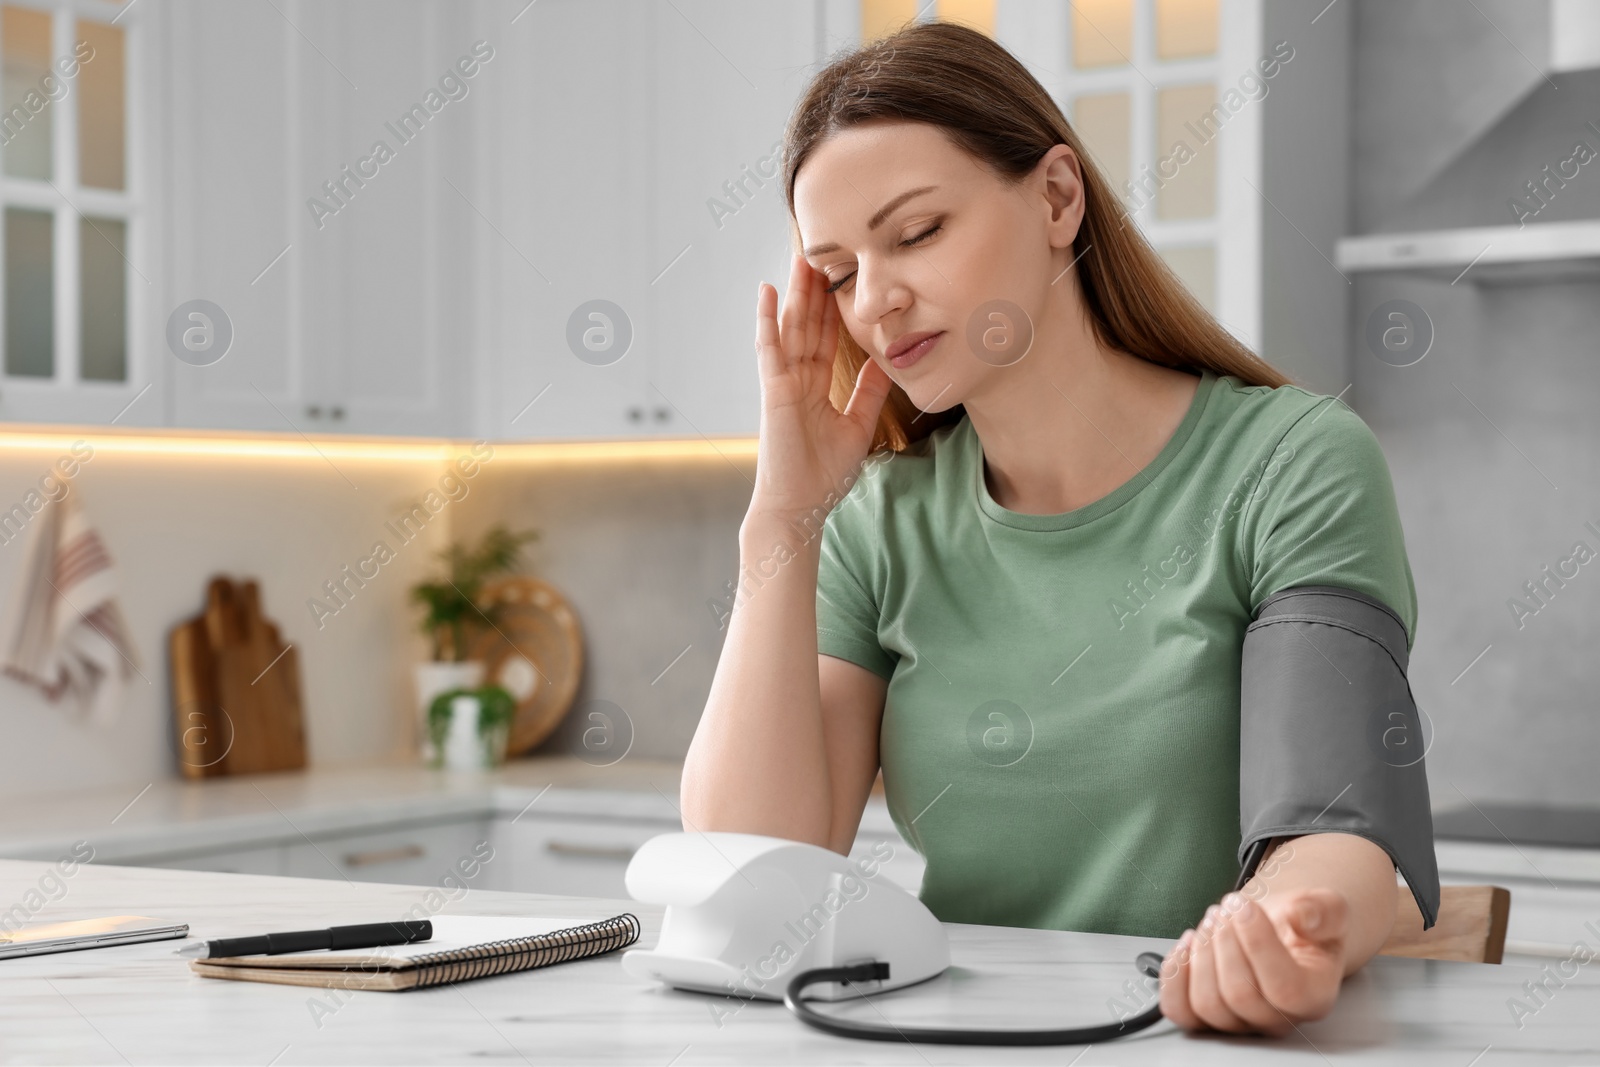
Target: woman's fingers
{"x":769,"y":355}
{"x":1239,"y":985}
{"x":1283,"y":980}
{"x":868,"y":397}
{"x":818,"y":301}
{"x":828,"y":339}
{"x":795,"y":307}
{"x":1320,"y":916}
{"x":1175,"y":984}
{"x":1236,"y":973}
{"x":1205,"y":994}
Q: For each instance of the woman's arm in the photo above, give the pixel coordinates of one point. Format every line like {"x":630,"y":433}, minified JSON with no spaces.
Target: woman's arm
{"x":787,"y":745}
{"x":758,"y":760}
{"x":1274,"y":954}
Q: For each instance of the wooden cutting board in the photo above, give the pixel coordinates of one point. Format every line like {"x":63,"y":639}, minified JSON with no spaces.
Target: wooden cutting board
{"x":235,"y":688}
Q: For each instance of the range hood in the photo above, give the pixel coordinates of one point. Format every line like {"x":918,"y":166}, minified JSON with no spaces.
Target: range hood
{"x":1553,"y":251}
{"x":1522,"y":201}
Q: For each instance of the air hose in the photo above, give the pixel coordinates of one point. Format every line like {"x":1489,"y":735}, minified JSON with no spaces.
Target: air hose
{"x":1149,"y":963}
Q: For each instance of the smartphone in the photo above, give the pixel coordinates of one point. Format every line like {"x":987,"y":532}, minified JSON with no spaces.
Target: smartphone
{"x":87,"y":933}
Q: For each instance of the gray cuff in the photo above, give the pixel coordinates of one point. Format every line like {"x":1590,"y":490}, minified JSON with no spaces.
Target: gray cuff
{"x":1329,"y":735}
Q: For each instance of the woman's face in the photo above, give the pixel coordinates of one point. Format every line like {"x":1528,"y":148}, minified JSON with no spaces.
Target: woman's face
{"x":915,"y":235}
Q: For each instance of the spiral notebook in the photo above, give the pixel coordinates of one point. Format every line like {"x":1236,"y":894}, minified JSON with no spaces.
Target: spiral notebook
{"x":463,"y":947}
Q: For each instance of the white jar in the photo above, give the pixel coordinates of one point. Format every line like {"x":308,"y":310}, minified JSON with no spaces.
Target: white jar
{"x":464,"y":748}
{"x":435,"y":678}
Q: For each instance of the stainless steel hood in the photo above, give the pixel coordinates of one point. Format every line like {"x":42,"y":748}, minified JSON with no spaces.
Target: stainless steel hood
{"x":1522,"y":200}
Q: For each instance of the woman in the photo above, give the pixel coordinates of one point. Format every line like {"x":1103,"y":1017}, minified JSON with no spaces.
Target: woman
{"x":1028,"y":607}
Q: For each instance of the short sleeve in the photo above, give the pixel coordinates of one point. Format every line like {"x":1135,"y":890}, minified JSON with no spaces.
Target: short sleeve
{"x":1324,"y":513}
{"x":847,"y":613}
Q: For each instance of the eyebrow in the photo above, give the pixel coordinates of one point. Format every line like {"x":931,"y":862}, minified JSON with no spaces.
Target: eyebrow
{"x":876,"y":220}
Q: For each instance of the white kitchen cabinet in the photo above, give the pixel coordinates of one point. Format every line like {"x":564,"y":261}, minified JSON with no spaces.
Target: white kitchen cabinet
{"x":565,"y":172}
{"x":79,"y":292}
{"x":417,"y":854}
{"x":445,"y":853}
{"x":582,"y":857}
{"x":670,"y":207}
{"x":263,"y":859}
{"x":588,"y":857}
{"x":347,"y":321}
{"x":727,"y":78}
{"x":624,"y":153}
{"x":228,"y":114}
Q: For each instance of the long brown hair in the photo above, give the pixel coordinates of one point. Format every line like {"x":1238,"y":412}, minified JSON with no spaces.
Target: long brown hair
{"x":986,"y":102}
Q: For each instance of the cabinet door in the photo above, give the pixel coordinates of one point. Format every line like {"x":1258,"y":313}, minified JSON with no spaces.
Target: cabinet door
{"x":81,"y":257}
{"x":408,"y":855}
{"x":264,"y":859}
{"x":231,"y":120}
{"x":573,"y":857}
{"x":569,"y":168}
{"x":330,"y":258}
{"x":727,"y":77}
{"x":384,"y":328}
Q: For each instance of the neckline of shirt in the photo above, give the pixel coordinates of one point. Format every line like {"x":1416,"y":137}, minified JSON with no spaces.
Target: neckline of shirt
{"x":1119,"y":496}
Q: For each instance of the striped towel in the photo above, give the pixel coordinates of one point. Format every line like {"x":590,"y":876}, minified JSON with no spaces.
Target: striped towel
{"x":67,"y":634}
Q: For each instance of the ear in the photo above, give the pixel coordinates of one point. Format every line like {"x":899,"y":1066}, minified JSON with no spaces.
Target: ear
{"x":1059,"y":178}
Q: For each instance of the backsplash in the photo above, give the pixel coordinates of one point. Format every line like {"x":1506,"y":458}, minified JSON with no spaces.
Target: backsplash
{"x":643,"y":547}
{"x":170,"y":523}
{"x":644,"y":550}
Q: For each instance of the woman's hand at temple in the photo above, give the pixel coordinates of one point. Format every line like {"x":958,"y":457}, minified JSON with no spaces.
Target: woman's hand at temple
{"x":809,"y":452}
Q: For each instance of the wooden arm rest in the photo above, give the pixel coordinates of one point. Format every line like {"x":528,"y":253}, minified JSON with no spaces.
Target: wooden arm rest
{"x":1471,"y":926}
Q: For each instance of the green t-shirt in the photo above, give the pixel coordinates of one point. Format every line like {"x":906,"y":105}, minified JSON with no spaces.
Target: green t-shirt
{"x":1060,"y":737}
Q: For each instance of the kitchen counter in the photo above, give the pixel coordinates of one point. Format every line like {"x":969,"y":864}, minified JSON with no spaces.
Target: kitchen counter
{"x":175,"y":815}
{"x":138,"y":1004}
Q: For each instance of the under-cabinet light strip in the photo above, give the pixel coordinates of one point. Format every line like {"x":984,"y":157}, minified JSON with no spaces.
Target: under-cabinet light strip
{"x":116,"y":442}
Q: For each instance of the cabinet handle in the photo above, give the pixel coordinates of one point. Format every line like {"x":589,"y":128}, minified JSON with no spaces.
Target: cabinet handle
{"x":601,"y":852}
{"x":383,"y":855}
{"x":336,"y":412}
{"x":314,"y":411}
{"x":662,"y":414}
{"x":635,"y":414}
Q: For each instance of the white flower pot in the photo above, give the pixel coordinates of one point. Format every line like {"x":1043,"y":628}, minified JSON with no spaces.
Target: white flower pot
{"x":433,"y":679}
{"x":468,"y":744}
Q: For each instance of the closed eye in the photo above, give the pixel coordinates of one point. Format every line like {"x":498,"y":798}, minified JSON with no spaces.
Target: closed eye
{"x":908,"y":243}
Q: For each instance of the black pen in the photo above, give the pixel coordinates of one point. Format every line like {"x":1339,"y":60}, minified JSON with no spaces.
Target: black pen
{"x":366,"y":935}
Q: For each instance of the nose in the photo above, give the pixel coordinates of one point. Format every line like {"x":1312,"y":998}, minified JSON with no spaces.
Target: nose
{"x":878,"y":292}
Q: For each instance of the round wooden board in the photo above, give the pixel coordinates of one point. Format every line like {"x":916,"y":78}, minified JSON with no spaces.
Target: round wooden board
{"x":535,"y":653}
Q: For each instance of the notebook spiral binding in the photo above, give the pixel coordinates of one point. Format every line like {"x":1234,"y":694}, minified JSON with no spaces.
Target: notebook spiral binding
{"x":522,"y":953}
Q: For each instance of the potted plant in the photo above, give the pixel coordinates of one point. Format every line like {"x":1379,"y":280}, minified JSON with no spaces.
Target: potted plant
{"x":453,"y":617}
{"x":469,"y":728}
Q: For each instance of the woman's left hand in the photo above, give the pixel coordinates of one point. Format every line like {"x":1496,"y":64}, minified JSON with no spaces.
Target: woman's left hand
{"x":1258,"y":966}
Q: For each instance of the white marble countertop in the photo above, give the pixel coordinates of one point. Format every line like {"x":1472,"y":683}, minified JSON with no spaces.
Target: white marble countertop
{"x":140,"y":1004}
{"x":178,"y":815}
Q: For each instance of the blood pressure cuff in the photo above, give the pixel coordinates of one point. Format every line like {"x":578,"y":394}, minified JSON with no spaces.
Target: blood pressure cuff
{"x":1329,"y":735}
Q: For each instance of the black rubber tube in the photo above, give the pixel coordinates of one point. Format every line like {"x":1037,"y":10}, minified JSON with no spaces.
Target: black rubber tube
{"x":1148,"y":962}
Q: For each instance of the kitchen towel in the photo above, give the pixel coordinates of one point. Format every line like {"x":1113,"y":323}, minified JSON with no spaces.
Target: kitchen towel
{"x":67,"y":635}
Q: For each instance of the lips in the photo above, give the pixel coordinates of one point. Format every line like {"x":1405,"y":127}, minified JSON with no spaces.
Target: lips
{"x":912,"y":347}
